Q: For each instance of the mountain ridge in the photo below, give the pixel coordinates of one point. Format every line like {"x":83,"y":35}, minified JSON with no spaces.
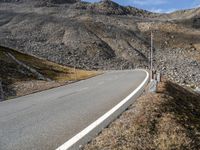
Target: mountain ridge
{"x":42,"y":1}
{"x":90,"y":36}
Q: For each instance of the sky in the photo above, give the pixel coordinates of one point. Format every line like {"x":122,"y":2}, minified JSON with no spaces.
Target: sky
{"x":161,"y":6}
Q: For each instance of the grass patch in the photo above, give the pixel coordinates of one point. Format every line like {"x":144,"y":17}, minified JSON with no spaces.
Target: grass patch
{"x":18,"y":81}
{"x":49,"y":69}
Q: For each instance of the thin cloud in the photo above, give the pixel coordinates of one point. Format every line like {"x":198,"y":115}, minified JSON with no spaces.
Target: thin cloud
{"x":170,"y":10}
{"x":196,"y":3}
{"x":157,"y":10}
{"x":162,"y":10}
{"x":147,"y":2}
{"x":137,"y":2}
{"x":92,"y":1}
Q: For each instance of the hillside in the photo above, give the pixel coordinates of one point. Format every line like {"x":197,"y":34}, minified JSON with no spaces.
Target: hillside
{"x":41,"y":2}
{"x":104,"y":35}
{"x":186,"y":14}
{"x":23,"y":74}
{"x":166,"y":120}
{"x":43,"y":41}
{"x":108,"y":7}
{"x":61,"y":34}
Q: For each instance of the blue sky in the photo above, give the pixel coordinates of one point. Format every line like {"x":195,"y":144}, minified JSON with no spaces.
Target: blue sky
{"x":158,"y":5}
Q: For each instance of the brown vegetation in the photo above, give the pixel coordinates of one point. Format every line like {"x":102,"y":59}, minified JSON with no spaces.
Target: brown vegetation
{"x":18,"y":80}
{"x":169,"y":119}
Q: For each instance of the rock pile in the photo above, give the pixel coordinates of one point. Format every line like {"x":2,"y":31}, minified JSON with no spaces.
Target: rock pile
{"x":177,"y":67}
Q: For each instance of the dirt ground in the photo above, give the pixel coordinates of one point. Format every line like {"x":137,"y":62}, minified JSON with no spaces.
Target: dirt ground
{"x":169,"y":119}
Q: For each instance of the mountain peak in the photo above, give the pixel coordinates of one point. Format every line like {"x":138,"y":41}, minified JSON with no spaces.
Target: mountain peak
{"x":108,"y":7}
{"x":109,"y":3}
{"x":64,"y":1}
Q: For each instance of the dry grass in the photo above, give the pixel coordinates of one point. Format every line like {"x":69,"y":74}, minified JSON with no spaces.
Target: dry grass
{"x":169,"y":119}
{"x":197,"y":47}
{"x":49,"y":69}
{"x":18,"y":81}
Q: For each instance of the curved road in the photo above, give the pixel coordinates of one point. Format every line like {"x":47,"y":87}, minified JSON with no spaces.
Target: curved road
{"x":48,"y":119}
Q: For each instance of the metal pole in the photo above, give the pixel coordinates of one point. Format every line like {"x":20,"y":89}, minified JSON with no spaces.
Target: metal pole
{"x":151,"y":57}
{"x":75,"y":75}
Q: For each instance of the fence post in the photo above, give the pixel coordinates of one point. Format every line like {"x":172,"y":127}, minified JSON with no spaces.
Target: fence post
{"x":159,"y":77}
{"x":1,"y":92}
{"x":153,"y":86}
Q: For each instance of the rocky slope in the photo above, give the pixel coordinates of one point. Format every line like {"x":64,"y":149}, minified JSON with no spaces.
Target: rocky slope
{"x":22,"y":74}
{"x":103,"y":35}
{"x":109,"y":7}
{"x":41,"y":1}
{"x":185,"y":14}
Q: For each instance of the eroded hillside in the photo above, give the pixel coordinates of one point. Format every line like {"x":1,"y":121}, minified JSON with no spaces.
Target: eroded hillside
{"x":104,"y":35}
{"x":23,"y":74}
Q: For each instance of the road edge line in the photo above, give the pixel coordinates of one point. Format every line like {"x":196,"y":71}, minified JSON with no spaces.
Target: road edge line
{"x":70,"y":144}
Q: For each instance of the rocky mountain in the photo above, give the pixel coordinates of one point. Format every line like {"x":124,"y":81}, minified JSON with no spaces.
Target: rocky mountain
{"x":104,"y":35}
{"x":185,"y":14}
{"x":42,"y":1}
{"x":109,"y":7}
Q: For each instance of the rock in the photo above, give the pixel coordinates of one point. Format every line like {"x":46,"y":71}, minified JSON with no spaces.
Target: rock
{"x":172,"y":37}
{"x":197,"y":90}
{"x":194,"y":63}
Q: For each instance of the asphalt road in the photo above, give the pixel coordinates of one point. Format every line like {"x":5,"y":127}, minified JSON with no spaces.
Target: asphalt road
{"x":46,"y":120}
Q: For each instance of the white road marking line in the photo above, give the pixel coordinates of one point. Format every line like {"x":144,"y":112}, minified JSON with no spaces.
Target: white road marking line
{"x":92,"y":126}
